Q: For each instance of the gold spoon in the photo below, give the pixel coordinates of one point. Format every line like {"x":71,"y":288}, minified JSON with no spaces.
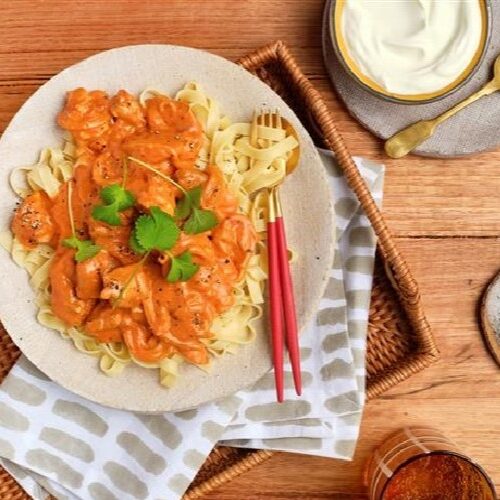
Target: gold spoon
{"x":293,"y":159}
{"x":406,"y":140}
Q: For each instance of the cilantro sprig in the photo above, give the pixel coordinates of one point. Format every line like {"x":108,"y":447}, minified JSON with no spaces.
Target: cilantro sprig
{"x":190,"y":199}
{"x":188,"y":207}
{"x":115,"y":199}
{"x":197,"y":219}
{"x":85,"y":249}
{"x":158,"y":231}
{"x":182,"y":267}
{"x":200,"y":221}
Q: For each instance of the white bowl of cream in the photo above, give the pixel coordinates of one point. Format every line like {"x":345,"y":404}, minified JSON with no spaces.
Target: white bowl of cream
{"x":410,"y":50}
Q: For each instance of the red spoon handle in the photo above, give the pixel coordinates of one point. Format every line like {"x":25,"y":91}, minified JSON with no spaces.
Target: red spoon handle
{"x":276,"y":307}
{"x":292,"y":338}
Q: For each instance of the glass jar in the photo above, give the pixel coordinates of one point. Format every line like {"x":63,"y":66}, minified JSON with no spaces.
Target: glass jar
{"x":419,"y":463}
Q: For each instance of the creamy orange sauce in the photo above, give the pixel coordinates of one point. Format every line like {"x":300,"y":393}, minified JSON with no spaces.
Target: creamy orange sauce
{"x":155,"y":318}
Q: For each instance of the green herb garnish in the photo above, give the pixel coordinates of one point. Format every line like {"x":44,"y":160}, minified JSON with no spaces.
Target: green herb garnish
{"x":156,"y":231}
{"x":85,"y":249}
{"x":198,"y":220}
{"x":190,"y":199}
{"x":116,"y":199}
{"x":188,"y":207}
{"x":134,"y":244}
{"x":182,"y":268}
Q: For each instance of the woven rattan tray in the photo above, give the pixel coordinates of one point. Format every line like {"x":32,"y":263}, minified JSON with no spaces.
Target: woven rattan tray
{"x":399,"y":338}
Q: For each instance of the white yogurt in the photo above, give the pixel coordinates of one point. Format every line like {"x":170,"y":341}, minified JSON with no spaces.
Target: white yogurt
{"x":412,"y":46}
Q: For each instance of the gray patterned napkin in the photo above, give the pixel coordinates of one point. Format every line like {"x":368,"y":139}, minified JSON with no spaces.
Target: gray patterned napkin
{"x":54,"y":441}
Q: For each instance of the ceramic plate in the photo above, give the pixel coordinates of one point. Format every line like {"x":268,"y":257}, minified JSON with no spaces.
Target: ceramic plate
{"x":308,"y":212}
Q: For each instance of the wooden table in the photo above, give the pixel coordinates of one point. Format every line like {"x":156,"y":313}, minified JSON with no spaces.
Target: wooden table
{"x":444,"y":213}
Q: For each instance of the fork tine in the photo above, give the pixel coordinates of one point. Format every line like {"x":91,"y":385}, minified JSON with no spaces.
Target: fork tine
{"x":253,"y":129}
{"x":270,"y":119}
{"x":279,"y":123}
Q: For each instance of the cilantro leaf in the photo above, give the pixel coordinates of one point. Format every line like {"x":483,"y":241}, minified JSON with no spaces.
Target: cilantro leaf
{"x":72,"y":242}
{"x":187,"y":202}
{"x":134,"y":244}
{"x":195,"y":196}
{"x":118,"y":195}
{"x":200,"y":221}
{"x":107,"y":214}
{"x":85,"y":249}
{"x":156,"y":231}
{"x":182,"y":268}
{"x":116,"y":199}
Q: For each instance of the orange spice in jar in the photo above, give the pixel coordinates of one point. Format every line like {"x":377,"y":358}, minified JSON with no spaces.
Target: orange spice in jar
{"x":419,"y":463}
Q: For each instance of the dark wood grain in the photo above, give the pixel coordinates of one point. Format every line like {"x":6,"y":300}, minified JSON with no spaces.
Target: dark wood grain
{"x":444,"y":213}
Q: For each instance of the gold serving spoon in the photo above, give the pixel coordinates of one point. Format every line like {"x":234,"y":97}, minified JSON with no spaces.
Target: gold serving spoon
{"x":406,"y":140}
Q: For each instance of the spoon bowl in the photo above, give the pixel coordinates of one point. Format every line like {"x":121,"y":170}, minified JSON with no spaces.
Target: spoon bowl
{"x":293,"y":159}
{"x":496,"y":71}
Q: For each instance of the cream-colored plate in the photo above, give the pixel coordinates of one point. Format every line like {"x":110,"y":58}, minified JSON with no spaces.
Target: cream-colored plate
{"x":308,"y":212}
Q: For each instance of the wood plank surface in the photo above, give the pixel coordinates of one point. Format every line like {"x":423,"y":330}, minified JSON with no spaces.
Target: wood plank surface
{"x":445,"y":214}
{"x":458,"y":395}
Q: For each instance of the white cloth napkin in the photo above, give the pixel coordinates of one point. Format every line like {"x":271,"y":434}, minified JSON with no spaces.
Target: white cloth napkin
{"x":54,"y":441}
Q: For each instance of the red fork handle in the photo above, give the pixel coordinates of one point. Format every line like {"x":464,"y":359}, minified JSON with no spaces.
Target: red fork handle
{"x":292,"y":337}
{"x":276,"y":313}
